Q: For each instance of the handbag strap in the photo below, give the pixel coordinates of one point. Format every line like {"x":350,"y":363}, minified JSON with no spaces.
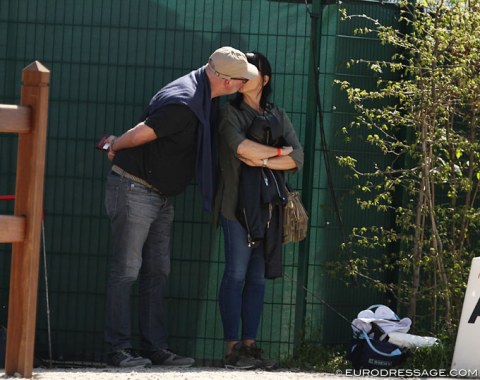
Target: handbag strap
{"x":397,"y":318}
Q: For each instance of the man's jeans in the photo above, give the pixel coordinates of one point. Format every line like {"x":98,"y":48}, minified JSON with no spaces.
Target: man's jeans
{"x":243,"y":284}
{"x":141,"y":225}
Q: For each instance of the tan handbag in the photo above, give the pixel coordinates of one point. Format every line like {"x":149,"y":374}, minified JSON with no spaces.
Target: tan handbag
{"x":295,"y":219}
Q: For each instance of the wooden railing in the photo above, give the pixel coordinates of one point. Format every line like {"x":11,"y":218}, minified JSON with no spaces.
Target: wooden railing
{"x":23,"y":229}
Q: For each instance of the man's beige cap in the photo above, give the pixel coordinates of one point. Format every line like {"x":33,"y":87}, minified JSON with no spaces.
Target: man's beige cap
{"x":227,"y":63}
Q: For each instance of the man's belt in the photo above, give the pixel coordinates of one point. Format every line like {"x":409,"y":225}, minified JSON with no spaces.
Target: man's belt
{"x":123,"y":173}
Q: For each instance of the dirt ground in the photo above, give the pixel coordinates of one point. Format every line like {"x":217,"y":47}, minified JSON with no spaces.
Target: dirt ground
{"x":194,"y":373}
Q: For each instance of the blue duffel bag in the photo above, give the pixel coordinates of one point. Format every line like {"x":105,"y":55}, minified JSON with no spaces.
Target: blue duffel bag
{"x":372,"y":350}
{"x":368,"y":353}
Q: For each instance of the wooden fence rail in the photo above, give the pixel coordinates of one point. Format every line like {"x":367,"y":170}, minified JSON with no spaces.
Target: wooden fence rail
{"x":23,"y":229}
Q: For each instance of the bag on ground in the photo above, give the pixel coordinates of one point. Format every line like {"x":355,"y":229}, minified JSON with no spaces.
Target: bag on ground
{"x":368,"y":353}
{"x":370,"y":347}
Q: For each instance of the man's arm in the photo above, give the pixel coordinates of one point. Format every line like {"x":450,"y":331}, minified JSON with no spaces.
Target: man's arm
{"x":138,"y":135}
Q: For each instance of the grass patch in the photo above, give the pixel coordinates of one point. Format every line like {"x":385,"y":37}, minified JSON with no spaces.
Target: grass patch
{"x":318,"y":358}
{"x":438,"y":356}
{"x":315,"y":357}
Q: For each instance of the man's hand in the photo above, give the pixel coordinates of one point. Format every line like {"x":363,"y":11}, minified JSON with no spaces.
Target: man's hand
{"x":111,"y":153}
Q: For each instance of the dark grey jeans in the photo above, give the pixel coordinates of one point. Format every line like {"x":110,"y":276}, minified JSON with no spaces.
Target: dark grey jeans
{"x":141,"y":223}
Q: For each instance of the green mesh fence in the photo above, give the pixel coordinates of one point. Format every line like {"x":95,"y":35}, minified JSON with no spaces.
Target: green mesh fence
{"x":336,"y":45}
{"x":107,"y":58}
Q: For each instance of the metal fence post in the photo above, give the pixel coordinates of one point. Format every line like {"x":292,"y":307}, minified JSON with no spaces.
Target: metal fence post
{"x":307,"y":185}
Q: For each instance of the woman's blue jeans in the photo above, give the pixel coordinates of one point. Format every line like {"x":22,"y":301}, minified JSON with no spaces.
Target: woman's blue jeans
{"x":243,"y":284}
{"x":141,"y":223}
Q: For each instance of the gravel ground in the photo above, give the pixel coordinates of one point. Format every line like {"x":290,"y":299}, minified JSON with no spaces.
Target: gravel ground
{"x":194,"y":373}
{"x":218,"y":373}
{"x":205,"y":373}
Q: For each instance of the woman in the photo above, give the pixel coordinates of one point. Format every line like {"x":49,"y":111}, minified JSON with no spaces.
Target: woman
{"x":242,"y":288}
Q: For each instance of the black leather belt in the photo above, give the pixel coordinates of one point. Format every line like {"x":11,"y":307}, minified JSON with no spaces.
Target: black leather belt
{"x":119,"y":171}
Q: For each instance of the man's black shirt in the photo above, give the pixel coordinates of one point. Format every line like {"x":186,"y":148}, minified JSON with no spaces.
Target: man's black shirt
{"x":168,"y":162}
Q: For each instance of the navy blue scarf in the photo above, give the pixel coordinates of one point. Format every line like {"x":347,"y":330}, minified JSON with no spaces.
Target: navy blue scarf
{"x":193,"y":90}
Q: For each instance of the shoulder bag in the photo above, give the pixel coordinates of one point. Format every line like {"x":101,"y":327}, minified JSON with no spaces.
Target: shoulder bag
{"x":295,"y":218}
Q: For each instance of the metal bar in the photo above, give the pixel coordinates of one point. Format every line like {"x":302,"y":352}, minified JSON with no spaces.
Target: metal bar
{"x":307,"y":186}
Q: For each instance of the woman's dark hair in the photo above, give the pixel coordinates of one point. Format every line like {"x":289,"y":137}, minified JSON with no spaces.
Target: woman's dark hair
{"x":261,"y":63}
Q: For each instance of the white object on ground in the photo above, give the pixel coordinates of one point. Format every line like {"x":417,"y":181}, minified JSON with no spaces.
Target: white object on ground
{"x":411,"y":341}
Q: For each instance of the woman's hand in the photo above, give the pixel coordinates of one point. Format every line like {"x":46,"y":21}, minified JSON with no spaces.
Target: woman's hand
{"x":274,"y":163}
{"x":286,"y":150}
{"x":255,"y":151}
{"x":250,"y":162}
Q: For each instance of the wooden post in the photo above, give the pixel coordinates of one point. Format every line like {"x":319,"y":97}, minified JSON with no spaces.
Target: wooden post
{"x":22,"y":308}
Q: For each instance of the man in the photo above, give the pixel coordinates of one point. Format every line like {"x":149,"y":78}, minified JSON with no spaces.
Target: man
{"x":151,"y":162}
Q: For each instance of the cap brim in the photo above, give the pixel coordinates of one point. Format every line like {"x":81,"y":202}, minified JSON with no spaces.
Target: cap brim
{"x":251,"y":72}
